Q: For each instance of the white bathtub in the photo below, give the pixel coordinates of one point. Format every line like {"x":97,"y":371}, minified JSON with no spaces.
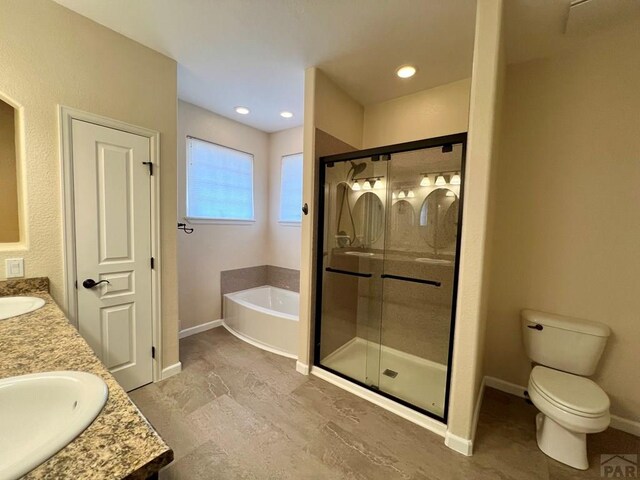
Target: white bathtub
{"x":266,"y":317}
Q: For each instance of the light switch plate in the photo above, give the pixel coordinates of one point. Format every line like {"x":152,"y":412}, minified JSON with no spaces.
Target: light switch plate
{"x":14,"y":267}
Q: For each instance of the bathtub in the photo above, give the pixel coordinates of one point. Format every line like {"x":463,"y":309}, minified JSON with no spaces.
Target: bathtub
{"x":266,"y":317}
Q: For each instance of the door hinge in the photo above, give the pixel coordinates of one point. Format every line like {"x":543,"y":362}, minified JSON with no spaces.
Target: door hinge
{"x":150,"y":167}
{"x":153,"y":263}
{"x":153,"y":352}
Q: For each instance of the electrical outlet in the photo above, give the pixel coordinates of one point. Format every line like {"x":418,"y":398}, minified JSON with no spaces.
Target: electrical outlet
{"x":14,"y":267}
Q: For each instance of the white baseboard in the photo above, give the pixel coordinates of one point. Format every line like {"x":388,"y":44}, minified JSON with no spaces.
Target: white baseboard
{"x":171,"y":370}
{"x":620,"y":423}
{"x":407,"y":413}
{"x":458,"y":444}
{"x":200,"y":328}
{"x":504,"y":386}
{"x":302,"y":368}
{"x":465,"y":445}
{"x":626,"y":425}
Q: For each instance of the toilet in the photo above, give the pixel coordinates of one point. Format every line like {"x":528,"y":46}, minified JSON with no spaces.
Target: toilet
{"x":565,"y":350}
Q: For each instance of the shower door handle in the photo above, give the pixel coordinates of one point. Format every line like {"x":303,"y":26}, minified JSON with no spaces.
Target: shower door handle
{"x":346,"y":272}
{"x":411,"y":279}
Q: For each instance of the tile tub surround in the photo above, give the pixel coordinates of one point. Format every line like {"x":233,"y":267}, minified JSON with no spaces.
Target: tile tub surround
{"x":251,"y":277}
{"x":237,"y":411}
{"x":286,"y":278}
{"x":242,"y":279}
{"x":120,"y":443}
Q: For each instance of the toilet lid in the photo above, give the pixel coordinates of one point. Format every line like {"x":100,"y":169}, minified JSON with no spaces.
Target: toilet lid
{"x":571,"y":391}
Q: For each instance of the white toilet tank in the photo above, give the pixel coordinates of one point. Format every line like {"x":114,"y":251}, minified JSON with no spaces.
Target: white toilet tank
{"x":564,"y":343}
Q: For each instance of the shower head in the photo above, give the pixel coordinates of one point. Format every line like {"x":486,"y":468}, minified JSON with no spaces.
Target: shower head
{"x":358,"y":167}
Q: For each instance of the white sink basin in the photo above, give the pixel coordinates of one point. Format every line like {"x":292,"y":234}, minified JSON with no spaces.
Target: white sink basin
{"x":13,"y":306}
{"x":41,"y":413}
{"x":434,"y":261}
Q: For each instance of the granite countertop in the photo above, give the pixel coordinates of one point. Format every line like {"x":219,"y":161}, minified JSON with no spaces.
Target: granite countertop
{"x":120,"y":443}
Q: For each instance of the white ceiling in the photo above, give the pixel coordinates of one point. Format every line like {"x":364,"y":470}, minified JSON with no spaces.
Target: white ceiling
{"x":254,"y":52}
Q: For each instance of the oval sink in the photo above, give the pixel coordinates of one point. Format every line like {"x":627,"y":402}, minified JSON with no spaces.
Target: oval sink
{"x":41,"y":413}
{"x":14,"y":306}
{"x":360,"y":254}
{"x":434,"y":261}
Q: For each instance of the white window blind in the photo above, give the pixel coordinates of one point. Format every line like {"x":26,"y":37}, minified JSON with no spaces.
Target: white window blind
{"x":219,"y":182}
{"x":291,"y":189}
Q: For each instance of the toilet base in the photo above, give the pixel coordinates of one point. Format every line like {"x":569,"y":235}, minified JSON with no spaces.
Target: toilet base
{"x":561,"y":444}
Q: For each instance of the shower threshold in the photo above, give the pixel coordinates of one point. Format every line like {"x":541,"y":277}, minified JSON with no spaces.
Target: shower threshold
{"x":418,"y":381}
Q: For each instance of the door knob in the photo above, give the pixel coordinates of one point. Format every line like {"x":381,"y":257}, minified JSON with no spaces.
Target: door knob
{"x":305,"y":209}
{"x":90,"y":283}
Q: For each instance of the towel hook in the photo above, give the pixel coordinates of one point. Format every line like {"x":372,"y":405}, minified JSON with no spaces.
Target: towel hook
{"x":183,"y":227}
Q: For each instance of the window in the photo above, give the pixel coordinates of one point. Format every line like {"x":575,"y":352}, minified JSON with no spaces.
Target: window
{"x":291,"y":189}
{"x":219,"y":182}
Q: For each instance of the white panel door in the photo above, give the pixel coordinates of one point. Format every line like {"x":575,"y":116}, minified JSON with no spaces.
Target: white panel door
{"x":112,"y":201}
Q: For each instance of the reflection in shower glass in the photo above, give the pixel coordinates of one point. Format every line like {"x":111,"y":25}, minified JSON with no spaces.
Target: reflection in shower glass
{"x":389,"y":270}
{"x":351,"y":265}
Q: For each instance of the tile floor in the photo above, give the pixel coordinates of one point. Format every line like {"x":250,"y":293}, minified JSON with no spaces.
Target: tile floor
{"x":237,"y":412}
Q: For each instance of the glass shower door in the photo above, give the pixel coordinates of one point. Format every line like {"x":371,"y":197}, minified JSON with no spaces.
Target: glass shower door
{"x":352,"y":260}
{"x":419,"y":269}
{"x":387,"y":268}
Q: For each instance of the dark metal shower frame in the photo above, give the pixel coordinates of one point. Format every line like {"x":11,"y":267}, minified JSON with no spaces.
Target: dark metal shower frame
{"x":445,"y":141}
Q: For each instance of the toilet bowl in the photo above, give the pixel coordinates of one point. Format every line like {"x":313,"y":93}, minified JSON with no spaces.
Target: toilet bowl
{"x":570,"y":407}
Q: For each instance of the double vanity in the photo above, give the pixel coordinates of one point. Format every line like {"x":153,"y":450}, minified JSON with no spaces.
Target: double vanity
{"x":62,"y":414}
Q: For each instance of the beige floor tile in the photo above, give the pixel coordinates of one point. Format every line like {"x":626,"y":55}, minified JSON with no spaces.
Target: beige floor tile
{"x":237,"y":412}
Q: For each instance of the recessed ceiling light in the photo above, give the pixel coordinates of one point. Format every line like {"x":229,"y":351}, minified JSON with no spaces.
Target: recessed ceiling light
{"x":286,"y":114}
{"x":406,"y":71}
{"x":242,"y":110}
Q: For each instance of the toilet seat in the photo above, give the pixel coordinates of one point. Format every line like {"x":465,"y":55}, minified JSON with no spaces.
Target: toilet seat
{"x":576,"y":394}
{"x":577,"y":403}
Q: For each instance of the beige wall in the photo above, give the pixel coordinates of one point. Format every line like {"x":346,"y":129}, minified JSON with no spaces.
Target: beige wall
{"x":468,"y":345}
{"x":51,"y":56}
{"x":430,"y":113}
{"x":215,"y":247}
{"x":284,"y":240}
{"x":9,"y":225}
{"x":335,"y":112}
{"x":568,"y":223}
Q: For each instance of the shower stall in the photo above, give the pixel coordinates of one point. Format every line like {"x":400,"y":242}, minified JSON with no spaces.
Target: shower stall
{"x":387,"y":268}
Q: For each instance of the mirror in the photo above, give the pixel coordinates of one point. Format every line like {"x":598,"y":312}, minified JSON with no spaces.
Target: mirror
{"x":403,"y":220}
{"x":368,"y":215}
{"x":439,"y":218}
{"x":9,"y":221}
